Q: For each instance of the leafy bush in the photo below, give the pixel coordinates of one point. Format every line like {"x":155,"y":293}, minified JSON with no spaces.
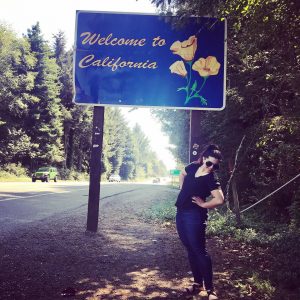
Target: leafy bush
{"x":286,"y":253}
{"x":10,"y":171}
{"x":294,"y":210}
{"x":264,"y":286}
{"x":77,"y":176}
{"x":64,"y":173}
{"x":282,"y":241}
{"x":67,"y":174}
{"x":220,"y":224}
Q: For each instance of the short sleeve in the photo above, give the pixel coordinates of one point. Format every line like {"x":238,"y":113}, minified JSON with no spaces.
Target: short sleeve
{"x":191,"y":167}
{"x":213,"y":182}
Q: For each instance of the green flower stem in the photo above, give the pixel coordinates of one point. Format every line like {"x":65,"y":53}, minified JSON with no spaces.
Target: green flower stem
{"x":196,"y":93}
{"x":204,"y":81}
{"x":190,"y":75}
{"x":187,"y":98}
{"x":190,"y":94}
{"x":187,"y":91}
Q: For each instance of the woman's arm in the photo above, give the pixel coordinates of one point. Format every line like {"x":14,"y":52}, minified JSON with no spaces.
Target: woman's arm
{"x":218,"y":199}
{"x":181,"y":178}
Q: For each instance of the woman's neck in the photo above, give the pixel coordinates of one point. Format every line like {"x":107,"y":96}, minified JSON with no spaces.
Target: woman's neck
{"x":201,"y":171}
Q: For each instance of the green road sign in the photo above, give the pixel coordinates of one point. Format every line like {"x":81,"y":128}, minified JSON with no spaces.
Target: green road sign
{"x":175,"y":172}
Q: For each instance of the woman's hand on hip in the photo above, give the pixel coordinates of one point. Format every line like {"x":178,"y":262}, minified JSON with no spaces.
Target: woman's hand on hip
{"x":197,"y":200}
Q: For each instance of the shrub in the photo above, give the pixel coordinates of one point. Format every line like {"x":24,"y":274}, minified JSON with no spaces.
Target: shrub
{"x":67,"y":174}
{"x":220,"y":224}
{"x":12,"y":171}
{"x":64,"y":173}
{"x":77,"y":176}
{"x":264,"y":286}
{"x":286,"y":253}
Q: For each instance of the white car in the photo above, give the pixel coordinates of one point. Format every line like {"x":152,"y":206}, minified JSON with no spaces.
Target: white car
{"x":114,"y":178}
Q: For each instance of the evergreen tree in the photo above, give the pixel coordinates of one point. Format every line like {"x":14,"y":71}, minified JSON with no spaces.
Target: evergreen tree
{"x":115,"y":128}
{"x":129,"y":160}
{"x":64,"y":59}
{"x":16,"y":83}
{"x":142,"y":144}
{"x":46,"y":113}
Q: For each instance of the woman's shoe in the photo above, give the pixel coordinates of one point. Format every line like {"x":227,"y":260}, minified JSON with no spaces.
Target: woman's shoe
{"x":212,"y":295}
{"x":195,"y":289}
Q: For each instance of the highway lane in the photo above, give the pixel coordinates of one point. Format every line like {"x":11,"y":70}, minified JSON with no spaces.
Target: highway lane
{"x":23,"y":203}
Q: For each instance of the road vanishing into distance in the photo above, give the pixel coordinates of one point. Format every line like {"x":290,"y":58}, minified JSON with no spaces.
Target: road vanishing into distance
{"x":22,"y":203}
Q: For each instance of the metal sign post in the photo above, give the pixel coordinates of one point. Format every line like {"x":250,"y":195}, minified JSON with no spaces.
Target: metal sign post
{"x":95,"y":169}
{"x":195,"y":135}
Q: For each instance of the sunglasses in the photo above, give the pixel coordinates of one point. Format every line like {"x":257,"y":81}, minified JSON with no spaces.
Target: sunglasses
{"x":209,"y":164}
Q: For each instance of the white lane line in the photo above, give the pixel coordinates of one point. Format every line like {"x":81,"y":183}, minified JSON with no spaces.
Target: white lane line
{"x":37,"y":195}
{"x":10,"y":195}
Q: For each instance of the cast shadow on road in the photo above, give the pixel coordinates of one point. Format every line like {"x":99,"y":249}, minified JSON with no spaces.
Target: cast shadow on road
{"x":129,"y":270}
{"x":116,"y":263}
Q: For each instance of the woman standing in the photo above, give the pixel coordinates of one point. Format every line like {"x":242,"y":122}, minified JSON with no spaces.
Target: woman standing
{"x":197,"y":182}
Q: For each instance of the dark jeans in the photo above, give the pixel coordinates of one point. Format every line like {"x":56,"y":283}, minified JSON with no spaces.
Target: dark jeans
{"x":191,"y":225}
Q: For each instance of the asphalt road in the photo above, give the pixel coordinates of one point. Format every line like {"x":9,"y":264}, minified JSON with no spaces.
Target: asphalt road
{"x":45,"y":248}
{"x":27,"y":202}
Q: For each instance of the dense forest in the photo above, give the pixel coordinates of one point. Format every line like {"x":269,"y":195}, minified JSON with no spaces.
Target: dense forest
{"x":39,"y":124}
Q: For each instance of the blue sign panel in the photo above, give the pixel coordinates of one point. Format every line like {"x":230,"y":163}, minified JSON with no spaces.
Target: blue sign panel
{"x":146,"y":61}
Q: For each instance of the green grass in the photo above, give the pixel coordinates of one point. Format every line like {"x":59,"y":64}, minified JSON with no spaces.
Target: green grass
{"x":161,"y":212}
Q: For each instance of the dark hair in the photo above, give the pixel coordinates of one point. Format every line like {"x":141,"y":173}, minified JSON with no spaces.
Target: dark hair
{"x":213,"y":151}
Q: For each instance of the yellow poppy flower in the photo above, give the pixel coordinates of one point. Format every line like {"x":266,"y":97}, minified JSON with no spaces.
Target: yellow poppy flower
{"x":186,"y":49}
{"x":207,"y":66}
{"x":178,"y":67}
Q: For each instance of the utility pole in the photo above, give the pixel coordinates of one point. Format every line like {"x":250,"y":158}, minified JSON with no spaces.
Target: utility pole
{"x":95,"y":169}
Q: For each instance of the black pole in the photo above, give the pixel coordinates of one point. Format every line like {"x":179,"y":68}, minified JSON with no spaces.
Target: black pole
{"x":95,"y":169}
{"x":195,"y":137}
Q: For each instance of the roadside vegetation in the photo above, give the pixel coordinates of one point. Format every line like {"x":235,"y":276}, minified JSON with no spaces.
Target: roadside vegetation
{"x":259,"y":135}
{"x":41,"y":126}
{"x":271,"y":269}
{"x":13,"y":172}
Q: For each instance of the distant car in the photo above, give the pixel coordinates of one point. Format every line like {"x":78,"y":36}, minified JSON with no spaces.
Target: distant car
{"x":45,"y":174}
{"x":156,"y":180}
{"x":114,"y":178}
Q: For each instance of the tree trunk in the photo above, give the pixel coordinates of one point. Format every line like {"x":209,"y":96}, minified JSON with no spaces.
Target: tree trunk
{"x":66,"y":142}
{"x":70,"y":149}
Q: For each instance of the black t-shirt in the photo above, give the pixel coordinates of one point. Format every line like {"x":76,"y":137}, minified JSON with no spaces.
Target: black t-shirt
{"x":196,"y":186}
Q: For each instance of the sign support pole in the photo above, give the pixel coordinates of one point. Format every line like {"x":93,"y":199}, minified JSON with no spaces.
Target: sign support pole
{"x":195,"y":138}
{"x":95,"y":169}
